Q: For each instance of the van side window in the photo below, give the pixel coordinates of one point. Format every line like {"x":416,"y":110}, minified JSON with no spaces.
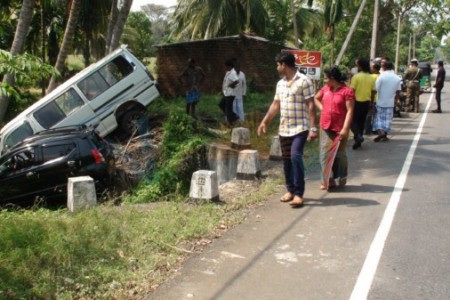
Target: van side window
{"x":19,"y":134}
{"x":105,"y":77}
{"x":58,"y":109}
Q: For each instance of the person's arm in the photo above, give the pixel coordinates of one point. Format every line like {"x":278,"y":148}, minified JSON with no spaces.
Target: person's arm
{"x":312,"y":119}
{"x":271,"y":113}
{"x":318,"y":100}
{"x":438,"y":78}
{"x":350,"y":105}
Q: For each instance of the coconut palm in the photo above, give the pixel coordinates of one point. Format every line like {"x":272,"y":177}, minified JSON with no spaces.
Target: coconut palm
{"x":211,"y":18}
{"x":23,"y":25}
{"x":119,"y":24}
{"x":66,"y":46}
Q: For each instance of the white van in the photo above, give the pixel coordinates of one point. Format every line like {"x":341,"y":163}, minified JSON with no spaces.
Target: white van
{"x":110,"y":93}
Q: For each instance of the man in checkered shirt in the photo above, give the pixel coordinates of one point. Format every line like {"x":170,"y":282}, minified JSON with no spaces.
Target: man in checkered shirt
{"x":294,"y":99}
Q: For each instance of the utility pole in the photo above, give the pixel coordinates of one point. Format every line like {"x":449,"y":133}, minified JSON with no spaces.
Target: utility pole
{"x":373,"y":46}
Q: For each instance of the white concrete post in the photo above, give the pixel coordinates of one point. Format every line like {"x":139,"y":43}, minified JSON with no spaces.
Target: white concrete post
{"x":204,"y":185}
{"x":248,"y":165}
{"x":275,"y":149}
{"x":81,"y":193}
{"x":240,"y":138}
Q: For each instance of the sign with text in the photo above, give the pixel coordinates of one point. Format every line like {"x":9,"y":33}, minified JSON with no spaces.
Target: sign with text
{"x":308,"y":62}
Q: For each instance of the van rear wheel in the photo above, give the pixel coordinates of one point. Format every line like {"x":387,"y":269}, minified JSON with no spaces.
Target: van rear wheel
{"x":134,"y":121}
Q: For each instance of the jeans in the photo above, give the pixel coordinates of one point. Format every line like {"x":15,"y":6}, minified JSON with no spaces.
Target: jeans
{"x":293,"y":165}
{"x":226,"y":105}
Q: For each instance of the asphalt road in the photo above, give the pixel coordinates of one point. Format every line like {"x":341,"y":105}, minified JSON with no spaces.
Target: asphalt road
{"x":384,"y":236}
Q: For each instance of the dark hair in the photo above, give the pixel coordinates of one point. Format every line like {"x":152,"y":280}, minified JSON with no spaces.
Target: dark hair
{"x":287,"y":58}
{"x":389,"y":65}
{"x":229,"y":63}
{"x":334,"y":73}
{"x":440,"y":63}
{"x":364,"y":64}
{"x":377,"y":67}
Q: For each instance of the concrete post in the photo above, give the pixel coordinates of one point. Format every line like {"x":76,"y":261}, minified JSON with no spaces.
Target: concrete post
{"x":248,"y":165}
{"x":240,"y":138}
{"x":204,"y":185}
{"x":275,"y":149}
{"x":81,"y":193}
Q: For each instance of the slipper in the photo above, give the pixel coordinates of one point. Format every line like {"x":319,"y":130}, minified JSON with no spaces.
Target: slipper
{"x":287,"y":197}
{"x":322,"y":187}
{"x":297,"y":203}
{"x":342,"y":181}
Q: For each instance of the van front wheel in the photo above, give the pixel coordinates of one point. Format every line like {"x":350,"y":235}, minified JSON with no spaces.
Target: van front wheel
{"x":134,"y":121}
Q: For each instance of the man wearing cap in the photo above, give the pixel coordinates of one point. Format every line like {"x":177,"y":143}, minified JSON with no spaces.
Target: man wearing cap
{"x":439,"y":84}
{"x":412,"y":77}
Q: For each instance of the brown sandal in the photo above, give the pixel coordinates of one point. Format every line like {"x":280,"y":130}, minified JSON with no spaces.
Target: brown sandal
{"x":287,"y":197}
{"x":297,"y":203}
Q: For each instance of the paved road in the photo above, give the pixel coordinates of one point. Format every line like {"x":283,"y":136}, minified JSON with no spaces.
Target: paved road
{"x":385,"y":236}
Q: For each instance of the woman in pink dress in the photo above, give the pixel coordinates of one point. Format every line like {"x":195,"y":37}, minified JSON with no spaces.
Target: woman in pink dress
{"x":336,"y":102}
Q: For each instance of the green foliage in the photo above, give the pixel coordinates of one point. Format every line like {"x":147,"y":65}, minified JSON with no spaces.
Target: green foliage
{"x":183,"y":152}
{"x":138,"y":35}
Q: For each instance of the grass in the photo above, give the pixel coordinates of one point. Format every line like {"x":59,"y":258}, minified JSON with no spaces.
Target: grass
{"x":111,"y":252}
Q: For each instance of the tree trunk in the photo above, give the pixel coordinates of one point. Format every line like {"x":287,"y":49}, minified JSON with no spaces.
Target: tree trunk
{"x":350,"y":33}
{"x":111,"y":23}
{"x":67,"y":41}
{"x":118,"y":29}
{"x":373,"y":45}
{"x":23,"y":26}
{"x":397,"y":45}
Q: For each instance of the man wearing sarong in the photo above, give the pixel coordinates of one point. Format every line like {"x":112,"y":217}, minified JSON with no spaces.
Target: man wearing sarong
{"x":336,"y":101}
{"x":191,"y":78}
{"x":388,"y":86}
{"x":294,"y":97}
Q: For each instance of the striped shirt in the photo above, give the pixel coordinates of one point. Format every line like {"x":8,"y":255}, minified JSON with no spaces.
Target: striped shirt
{"x":294,"y":96}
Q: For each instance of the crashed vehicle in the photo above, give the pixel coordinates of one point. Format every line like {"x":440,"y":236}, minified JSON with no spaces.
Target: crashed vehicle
{"x":113,"y":92}
{"x":41,"y":164}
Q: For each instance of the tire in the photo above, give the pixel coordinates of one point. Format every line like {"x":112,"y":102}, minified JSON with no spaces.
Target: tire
{"x":134,"y":121}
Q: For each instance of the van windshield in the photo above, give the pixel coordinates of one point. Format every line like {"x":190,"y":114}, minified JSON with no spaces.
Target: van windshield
{"x":18,"y":135}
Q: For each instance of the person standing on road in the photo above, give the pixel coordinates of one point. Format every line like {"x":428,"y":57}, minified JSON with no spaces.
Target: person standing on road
{"x":230,"y":81}
{"x":388,"y":87}
{"x":191,"y":78}
{"x":364,"y":85}
{"x":294,"y":99}
{"x":412,"y":77}
{"x":241,"y":91}
{"x":336,"y":101}
{"x":439,"y":85}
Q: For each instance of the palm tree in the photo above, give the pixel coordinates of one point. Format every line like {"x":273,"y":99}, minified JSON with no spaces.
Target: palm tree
{"x":120,"y":24}
{"x":211,"y":18}
{"x":26,"y":13}
{"x":66,"y":46}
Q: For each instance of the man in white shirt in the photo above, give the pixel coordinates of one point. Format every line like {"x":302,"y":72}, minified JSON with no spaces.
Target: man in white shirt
{"x":388,"y":86}
{"x":230,"y":81}
{"x":241,"y":91}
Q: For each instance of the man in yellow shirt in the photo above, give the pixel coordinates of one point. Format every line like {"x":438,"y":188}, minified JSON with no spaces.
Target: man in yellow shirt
{"x":364,"y":85}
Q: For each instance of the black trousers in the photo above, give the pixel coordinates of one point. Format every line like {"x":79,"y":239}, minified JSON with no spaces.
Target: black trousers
{"x":359,"y":119}
{"x":438,"y":97}
{"x":226,"y":105}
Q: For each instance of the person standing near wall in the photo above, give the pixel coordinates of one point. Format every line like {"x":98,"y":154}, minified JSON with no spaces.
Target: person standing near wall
{"x":294,"y":99}
{"x":230,"y":82}
{"x":439,"y":85}
{"x":241,"y":91}
{"x":191,"y":78}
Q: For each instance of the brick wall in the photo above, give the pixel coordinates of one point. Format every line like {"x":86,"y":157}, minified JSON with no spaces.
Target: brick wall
{"x":255,"y":55}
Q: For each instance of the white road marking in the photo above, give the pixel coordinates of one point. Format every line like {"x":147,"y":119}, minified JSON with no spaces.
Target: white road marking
{"x":365,"y":278}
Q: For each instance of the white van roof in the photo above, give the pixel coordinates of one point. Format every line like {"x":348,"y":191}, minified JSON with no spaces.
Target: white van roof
{"x":63,"y":86}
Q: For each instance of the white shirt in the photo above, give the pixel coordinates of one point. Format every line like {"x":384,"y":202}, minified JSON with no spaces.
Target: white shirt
{"x":230,"y":77}
{"x":387,"y":84}
{"x":241,"y":88}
